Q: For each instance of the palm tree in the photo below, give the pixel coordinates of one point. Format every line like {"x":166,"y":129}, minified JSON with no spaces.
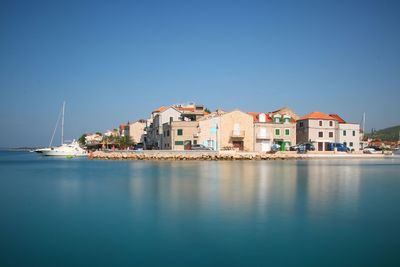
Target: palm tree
{"x":124,"y":142}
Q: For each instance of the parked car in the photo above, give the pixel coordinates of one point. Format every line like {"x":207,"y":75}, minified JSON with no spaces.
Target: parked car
{"x":200,"y":147}
{"x":339,"y":147}
{"x":308,"y":146}
{"x":294,"y":148}
{"x":371,"y":150}
{"x":139,"y":147}
{"x":303,"y":148}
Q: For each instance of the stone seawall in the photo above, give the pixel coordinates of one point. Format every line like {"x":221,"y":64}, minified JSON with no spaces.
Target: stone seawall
{"x":213,"y":155}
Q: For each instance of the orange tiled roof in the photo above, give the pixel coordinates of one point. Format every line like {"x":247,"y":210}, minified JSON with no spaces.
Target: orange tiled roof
{"x":338,"y":118}
{"x":316,"y":115}
{"x":257,"y":114}
{"x":185,"y":109}
{"x":160,"y":109}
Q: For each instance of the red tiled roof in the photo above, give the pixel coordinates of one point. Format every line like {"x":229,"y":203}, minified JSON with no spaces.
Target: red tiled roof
{"x":338,"y":118}
{"x":160,"y":109}
{"x":256,"y":116}
{"x":316,"y":115}
{"x":185,"y":109}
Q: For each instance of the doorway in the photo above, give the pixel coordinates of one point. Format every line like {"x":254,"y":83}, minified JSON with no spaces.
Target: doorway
{"x":320,"y":146}
{"x":187,"y":145}
{"x":238,"y":145}
{"x":265,"y":146}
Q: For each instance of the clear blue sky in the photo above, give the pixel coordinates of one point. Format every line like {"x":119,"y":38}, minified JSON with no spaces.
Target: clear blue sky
{"x":114,"y":61}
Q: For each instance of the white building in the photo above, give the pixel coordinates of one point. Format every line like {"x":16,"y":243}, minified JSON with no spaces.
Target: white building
{"x":348,"y":133}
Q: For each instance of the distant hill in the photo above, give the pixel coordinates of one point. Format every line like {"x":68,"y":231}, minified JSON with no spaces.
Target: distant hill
{"x":388,"y":134}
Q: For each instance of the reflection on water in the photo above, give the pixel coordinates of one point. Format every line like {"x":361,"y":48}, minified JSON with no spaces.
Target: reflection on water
{"x":206,"y":213}
{"x":245,"y":189}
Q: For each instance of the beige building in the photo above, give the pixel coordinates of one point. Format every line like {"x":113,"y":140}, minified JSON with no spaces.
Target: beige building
{"x":155,"y":137}
{"x":227,"y":130}
{"x":317,"y":128}
{"x":137,"y":131}
{"x":180,"y":135}
{"x":277,"y":127}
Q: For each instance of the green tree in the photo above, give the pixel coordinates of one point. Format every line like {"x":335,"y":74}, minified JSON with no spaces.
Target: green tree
{"x":124,"y":142}
{"x":82,"y":140}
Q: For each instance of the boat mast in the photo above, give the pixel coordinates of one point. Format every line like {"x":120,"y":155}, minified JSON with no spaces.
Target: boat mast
{"x":62,"y":124}
{"x":55,"y":128}
{"x":363,"y":124}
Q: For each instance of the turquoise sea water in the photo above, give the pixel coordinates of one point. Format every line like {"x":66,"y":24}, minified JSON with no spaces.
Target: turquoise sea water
{"x":60,"y":212}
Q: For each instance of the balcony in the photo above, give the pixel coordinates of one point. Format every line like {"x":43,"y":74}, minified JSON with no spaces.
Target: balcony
{"x":237,"y":134}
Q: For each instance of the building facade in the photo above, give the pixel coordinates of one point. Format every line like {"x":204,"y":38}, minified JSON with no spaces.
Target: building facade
{"x":227,"y":130}
{"x":137,"y":131}
{"x":348,"y":133}
{"x":277,"y":127}
{"x":163,"y":117}
{"x":180,"y":135}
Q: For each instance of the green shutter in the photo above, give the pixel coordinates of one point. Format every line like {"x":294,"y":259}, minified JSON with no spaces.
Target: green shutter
{"x":287,"y":132}
{"x":179,"y":143}
{"x":180,"y":132}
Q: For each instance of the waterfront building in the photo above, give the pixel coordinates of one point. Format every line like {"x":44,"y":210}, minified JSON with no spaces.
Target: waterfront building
{"x":227,"y":131}
{"x":93,"y":139}
{"x":155,"y":129}
{"x":163,"y":117}
{"x":276,"y":127}
{"x":348,"y":133}
{"x":137,"y":131}
{"x":318,"y":128}
{"x":124,"y":129}
{"x":180,"y":135}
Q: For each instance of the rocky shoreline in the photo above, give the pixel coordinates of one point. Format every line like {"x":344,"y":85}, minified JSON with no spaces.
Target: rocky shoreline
{"x":211,"y":155}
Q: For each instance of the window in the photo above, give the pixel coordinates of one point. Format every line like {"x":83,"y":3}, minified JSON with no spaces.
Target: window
{"x":194,"y":142}
{"x":351,"y":144}
{"x":287,"y":132}
{"x":344,"y":133}
{"x":301,"y":124}
{"x":277,"y":120}
{"x":354,"y":133}
{"x":180,"y":132}
{"x":330,"y":134}
{"x":345,"y":143}
{"x":168,"y":133}
{"x":320,"y":123}
{"x":330,"y":123}
{"x":179,"y":143}
{"x":320,"y":134}
{"x":286,"y":119}
{"x":277,"y":132}
{"x":262,"y":117}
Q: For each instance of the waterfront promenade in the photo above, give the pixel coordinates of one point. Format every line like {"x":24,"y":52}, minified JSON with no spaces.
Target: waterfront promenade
{"x":223,"y":155}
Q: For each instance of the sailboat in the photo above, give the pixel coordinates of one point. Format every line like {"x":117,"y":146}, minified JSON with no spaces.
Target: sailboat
{"x":64,"y":150}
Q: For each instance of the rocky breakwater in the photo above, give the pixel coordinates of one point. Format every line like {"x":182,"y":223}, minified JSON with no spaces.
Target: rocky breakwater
{"x":188,"y":155}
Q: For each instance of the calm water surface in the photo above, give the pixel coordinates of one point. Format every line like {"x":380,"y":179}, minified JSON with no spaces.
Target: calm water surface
{"x":59,"y":212}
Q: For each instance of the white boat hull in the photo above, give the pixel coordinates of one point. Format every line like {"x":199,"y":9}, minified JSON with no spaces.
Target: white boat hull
{"x":63,"y":154}
{"x":66,"y":150}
